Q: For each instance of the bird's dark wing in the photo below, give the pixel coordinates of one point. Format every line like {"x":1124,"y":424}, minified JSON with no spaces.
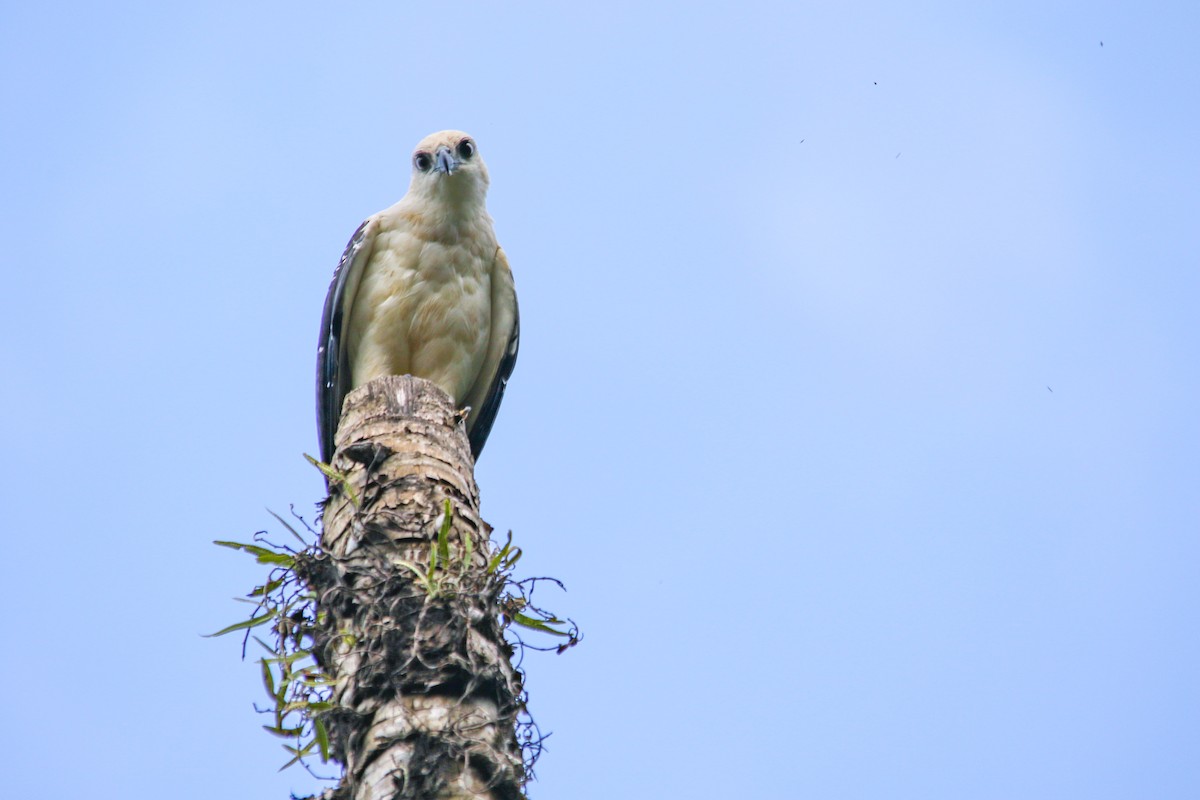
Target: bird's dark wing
{"x":333,"y":367}
{"x":485,"y":396}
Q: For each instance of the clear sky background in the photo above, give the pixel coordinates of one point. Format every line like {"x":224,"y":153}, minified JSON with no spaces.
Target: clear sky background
{"x":857,"y":402}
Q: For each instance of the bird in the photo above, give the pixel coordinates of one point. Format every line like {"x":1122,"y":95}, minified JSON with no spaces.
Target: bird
{"x":424,"y":289}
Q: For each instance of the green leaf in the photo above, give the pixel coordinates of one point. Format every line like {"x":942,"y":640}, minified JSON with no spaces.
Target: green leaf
{"x":292,"y":658}
{"x":300,"y":753}
{"x":333,"y":476}
{"x":266,"y":588}
{"x":281,"y":693}
{"x":506,"y":558}
{"x":268,"y":677}
{"x":513,"y":558}
{"x":283,"y":733}
{"x":253,"y":549}
{"x":263,"y":555}
{"x":253,"y":622}
{"x":327,"y":470}
{"x":538,"y":625}
{"x":444,"y":534}
{"x":496,"y":559}
{"x":285,"y":524}
{"x":322,"y":737}
{"x":420,"y":573}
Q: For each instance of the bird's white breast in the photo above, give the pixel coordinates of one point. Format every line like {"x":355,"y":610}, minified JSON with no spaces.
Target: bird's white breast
{"x":424,"y":304}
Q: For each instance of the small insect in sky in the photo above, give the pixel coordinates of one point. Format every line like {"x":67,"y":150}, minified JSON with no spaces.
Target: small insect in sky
{"x":1048,"y":389}
{"x":897,"y":155}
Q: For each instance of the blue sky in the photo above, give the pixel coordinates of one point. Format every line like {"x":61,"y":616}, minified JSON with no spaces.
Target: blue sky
{"x":856,"y":404}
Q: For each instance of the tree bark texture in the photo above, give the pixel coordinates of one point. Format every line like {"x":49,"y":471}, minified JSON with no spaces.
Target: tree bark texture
{"x":426,"y":700}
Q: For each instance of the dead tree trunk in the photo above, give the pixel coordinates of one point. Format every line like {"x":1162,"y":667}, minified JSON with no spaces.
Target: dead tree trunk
{"x":426,"y":700}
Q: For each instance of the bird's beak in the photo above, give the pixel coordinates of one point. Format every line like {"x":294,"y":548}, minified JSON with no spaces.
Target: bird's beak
{"x":444,"y":160}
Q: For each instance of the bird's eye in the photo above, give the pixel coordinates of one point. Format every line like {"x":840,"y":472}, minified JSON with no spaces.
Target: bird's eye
{"x":466,"y":149}
{"x":422,"y":161}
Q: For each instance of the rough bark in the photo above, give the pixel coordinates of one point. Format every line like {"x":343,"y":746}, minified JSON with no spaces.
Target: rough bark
{"x":426,"y":699}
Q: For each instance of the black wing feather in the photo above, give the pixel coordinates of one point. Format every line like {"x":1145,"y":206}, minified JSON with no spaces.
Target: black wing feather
{"x":482,"y":425}
{"x":333,"y":373}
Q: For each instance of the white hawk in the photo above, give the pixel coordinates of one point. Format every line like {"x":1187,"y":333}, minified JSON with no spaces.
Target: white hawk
{"x":424,"y":289}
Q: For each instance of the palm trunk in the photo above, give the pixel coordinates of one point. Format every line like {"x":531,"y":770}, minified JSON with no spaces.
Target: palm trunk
{"x":426,"y":698}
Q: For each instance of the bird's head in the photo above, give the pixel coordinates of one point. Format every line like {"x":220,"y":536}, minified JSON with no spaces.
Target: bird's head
{"x":447,"y":167}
